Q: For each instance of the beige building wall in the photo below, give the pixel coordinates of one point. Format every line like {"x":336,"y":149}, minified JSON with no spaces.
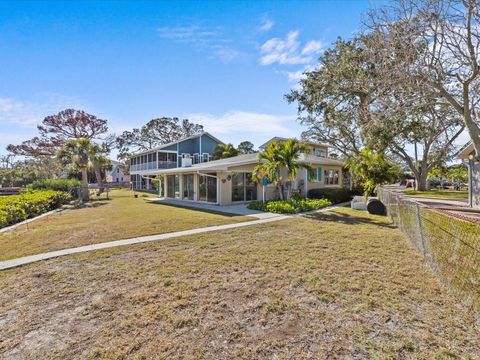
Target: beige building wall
{"x":224,"y":183}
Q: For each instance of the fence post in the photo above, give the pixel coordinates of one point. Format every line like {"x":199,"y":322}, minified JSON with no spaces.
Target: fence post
{"x":420,"y":229}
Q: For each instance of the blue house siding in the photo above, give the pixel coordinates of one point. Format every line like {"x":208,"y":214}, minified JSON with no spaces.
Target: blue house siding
{"x":200,"y":144}
{"x":172,"y":147}
{"x":208,"y":144}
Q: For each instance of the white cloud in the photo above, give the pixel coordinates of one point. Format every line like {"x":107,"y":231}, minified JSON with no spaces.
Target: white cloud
{"x":266,"y":25}
{"x":289,"y":51}
{"x":203,"y":38}
{"x":312,"y":47}
{"x":245,"y":122}
{"x":29,"y":113}
{"x":16,"y":112}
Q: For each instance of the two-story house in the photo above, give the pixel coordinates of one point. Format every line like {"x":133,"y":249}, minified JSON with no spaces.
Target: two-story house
{"x":117,"y":174}
{"x":197,"y":149}
{"x":227,"y":181}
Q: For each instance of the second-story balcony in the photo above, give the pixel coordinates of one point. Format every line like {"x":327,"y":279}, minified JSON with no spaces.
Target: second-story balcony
{"x":153,"y":165}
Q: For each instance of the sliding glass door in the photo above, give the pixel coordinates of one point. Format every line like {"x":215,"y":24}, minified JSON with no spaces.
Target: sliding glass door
{"x":188,"y":187}
{"x":243,"y":187}
{"x":207,"y":188}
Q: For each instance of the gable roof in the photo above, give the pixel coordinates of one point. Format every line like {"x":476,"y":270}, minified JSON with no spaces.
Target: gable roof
{"x":163,"y":146}
{"x":280,"y":139}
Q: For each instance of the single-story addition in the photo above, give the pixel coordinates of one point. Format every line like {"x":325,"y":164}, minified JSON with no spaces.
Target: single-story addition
{"x":467,"y":153}
{"x":229,"y":181}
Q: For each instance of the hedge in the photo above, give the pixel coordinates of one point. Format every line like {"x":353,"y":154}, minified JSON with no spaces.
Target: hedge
{"x":334,"y":195}
{"x":67,"y":185}
{"x":16,"y":208}
{"x":291,"y":206}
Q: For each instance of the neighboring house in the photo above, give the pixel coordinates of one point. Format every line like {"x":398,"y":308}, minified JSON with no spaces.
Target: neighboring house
{"x":467,"y":153}
{"x":118,"y":173}
{"x":229,"y":181}
{"x":197,"y":149}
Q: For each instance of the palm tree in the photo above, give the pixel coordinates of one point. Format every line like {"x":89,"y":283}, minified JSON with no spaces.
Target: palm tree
{"x":372,"y":169}
{"x":223,"y":151}
{"x":99,"y":162}
{"x":278,"y":155}
{"x":76,"y":152}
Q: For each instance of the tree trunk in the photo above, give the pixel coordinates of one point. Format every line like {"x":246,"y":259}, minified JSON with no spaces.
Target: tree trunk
{"x":85,"y":192}
{"x":280,"y":191}
{"x":421,"y":181}
{"x":98,"y":175}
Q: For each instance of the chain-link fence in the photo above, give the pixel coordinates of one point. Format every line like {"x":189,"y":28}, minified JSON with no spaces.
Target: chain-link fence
{"x":450,"y":245}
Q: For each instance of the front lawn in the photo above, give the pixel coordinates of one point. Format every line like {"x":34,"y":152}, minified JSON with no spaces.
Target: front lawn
{"x":342,"y":284}
{"x":123,"y":216}
{"x":446,"y":194}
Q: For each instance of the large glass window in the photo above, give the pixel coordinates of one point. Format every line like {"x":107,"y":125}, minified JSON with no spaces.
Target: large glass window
{"x":331,"y":177}
{"x":188,"y":187}
{"x":207,"y":188}
{"x":177,"y":187}
{"x":243,"y":187}
{"x":170,"y":186}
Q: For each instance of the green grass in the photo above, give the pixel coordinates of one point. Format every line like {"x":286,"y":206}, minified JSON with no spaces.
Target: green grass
{"x":446,"y":194}
{"x":123,"y":216}
{"x":342,"y":284}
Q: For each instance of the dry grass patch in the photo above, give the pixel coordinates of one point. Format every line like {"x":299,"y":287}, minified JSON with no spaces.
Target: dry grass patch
{"x":121,"y":217}
{"x":337,"y":285}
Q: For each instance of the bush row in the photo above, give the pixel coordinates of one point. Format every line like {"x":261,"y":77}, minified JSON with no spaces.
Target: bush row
{"x":334,"y":195}
{"x":291,"y":206}
{"x":67,"y":185}
{"x":14,"y":209}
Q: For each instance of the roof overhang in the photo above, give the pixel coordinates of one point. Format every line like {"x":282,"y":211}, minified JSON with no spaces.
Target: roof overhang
{"x":465,"y":152}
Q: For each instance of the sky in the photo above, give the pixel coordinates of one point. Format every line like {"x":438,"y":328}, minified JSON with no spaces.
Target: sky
{"x":226,"y":65}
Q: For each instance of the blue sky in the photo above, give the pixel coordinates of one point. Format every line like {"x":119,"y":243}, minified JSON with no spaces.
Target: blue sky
{"x":226,"y":65}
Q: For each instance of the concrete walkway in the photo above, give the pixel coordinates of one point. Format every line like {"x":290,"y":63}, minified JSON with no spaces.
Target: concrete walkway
{"x":9,"y":264}
{"x":236,"y":209}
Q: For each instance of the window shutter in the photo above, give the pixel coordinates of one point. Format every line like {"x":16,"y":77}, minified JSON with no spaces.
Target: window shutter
{"x":319,"y":174}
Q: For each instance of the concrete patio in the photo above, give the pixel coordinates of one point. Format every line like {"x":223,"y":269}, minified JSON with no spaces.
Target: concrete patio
{"x":237,"y":209}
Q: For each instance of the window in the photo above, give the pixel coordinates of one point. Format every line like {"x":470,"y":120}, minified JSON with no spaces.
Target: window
{"x":188,"y":187}
{"x":207,"y":188}
{"x":315,"y":175}
{"x":162,"y":156}
{"x":205,"y":157}
{"x":170,"y":186}
{"x":331,"y":177}
{"x":320,"y":153}
{"x":118,"y":170}
{"x":172,"y":157}
{"x":243,"y":187}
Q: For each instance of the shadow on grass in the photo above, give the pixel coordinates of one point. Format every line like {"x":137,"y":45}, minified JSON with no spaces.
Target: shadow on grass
{"x":348,"y":219}
{"x":192,"y":208}
{"x":92,"y":204}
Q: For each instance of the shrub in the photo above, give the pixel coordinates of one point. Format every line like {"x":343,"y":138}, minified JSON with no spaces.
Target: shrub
{"x":334,"y":195}
{"x":14,"y":209}
{"x":291,"y":206}
{"x":67,"y":185}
